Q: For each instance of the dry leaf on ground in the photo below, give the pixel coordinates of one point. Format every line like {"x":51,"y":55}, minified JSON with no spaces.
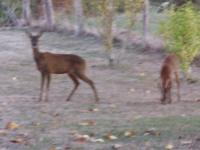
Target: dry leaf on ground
{"x":87,"y":123}
{"x":18,"y":141}
{"x":97,"y":140}
{"x":169,"y":147}
{"x":129,"y":133}
{"x":12,"y":126}
{"x":186,"y":142}
{"x":116,"y":146}
{"x":82,"y":138}
{"x":93,"y":109}
{"x":152,"y":132}
{"x":109,"y":136}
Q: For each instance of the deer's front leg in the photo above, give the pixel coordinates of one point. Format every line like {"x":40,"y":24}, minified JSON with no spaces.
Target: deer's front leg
{"x":48,"y":78}
{"x":42,"y":86}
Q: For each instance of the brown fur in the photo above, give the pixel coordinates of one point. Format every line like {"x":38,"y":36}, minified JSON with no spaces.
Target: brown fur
{"x":170,"y":66}
{"x":50,"y":63}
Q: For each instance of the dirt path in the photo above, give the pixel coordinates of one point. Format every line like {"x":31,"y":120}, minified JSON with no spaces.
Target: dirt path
{"x":127,"y":92}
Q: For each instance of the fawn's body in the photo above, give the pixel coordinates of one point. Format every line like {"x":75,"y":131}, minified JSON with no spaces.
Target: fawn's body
{"x":169,"y":68}
{"x":50,"y":63}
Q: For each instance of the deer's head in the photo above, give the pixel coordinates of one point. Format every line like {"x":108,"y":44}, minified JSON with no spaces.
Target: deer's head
{"x":34,"y":37}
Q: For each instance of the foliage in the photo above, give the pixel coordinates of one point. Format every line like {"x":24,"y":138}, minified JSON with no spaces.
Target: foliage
{"x":15,"y":7}
{"x":93,"y":8}
{"x":182,"y":33}
{"x":132,"y":7}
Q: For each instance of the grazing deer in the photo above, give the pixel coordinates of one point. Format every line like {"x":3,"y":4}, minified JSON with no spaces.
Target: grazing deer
{"x":169,"y":68}
{"x":50,"y":63}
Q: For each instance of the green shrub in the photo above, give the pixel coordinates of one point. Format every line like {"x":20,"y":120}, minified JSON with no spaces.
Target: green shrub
{"x":181,"y":32}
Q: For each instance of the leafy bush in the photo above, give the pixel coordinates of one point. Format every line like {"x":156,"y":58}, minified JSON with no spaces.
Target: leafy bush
{"x":181,"y":32}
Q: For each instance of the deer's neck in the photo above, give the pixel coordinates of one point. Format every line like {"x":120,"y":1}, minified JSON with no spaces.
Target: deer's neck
{"x":36,"y":53}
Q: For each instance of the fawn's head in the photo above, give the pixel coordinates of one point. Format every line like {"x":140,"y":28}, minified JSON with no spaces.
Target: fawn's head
{"x":34,"y":37}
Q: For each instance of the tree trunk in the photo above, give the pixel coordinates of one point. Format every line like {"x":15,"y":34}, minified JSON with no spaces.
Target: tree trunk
{"x":145,"y":21}
{"x":107,"y":33}
{"x":78,"y":8}
{"x":27,"y":12}
{"x":49,"y":14}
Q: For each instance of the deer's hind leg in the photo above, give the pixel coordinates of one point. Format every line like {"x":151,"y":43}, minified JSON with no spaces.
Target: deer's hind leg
{"x":83,"y":77}
{"x":178,"y":86}
{"x":76,"y":84}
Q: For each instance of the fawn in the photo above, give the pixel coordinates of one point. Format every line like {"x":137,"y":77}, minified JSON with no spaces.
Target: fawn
{"x":170,"y":66}
{"x":50,"y":63}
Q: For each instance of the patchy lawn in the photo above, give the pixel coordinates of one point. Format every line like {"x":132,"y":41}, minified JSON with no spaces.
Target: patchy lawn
{"x":129,"y":107}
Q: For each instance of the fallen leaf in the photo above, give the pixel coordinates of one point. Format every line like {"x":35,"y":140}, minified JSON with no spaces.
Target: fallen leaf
{"x":12,"y":126}
{"x":129,"y":133}
{"x":93,"y":109}
{"x":97,"y":140}
{"x":169,"y":147}
{"x":87,"y":123}
{"x":82,"y":138}
{"x":109,"y":136}
{"x":152,"y":132}
{"x":18,"y":141}
{"x":186,"y":142}
{"x":116,"y":146}
{"x":14,"y":78}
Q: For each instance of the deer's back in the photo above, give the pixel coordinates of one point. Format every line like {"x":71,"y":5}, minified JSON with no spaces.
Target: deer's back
{"x":170,"y":65}
{"x":172,"y":61}
{"x":61,"y":63}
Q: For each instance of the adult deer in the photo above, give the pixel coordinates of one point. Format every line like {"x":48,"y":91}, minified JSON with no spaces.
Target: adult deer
{"x":169,"y":68}
{"x":50,"y":63}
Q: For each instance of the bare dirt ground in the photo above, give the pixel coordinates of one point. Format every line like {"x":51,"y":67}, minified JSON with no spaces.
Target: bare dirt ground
{"x":127,"y":93}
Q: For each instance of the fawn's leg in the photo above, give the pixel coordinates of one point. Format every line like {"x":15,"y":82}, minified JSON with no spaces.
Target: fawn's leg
{"x":48,"y":77}
{"x":178,"y":86}
{"x":83,"y":77}
{"x":164,"y":96}
{"x":42,"y":86}
{"x":76,"y":84}
{"x":169,"y":96}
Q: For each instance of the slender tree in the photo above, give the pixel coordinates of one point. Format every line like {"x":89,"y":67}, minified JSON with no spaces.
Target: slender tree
{"x":107,"y":11}
{"x":78,"y":8}
{"x":26,"y":11}
{"x":49,"y":14}
{"x":132,"y":7}
{"x":145,"y":21}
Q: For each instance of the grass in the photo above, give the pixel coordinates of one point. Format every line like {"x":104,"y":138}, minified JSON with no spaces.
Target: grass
{"x":168,"y":128}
